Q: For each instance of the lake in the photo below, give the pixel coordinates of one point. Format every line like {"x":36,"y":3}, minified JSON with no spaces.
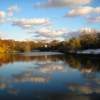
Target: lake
{"x":49,"y":76}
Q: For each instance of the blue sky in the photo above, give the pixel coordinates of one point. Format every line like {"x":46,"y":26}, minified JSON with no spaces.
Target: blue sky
{"x":57,"y":18}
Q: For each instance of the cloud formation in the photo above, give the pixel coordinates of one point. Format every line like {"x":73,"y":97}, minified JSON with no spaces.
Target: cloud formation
{"x":62,"y":3}
{"x":27,"y":23}
{"x":94,"y":19}
{"x":5,"y":15}
{"x":81,"y":11}
{"x":2,"y":16}
{"x":12,"y":9}
{"x":49,"y":32}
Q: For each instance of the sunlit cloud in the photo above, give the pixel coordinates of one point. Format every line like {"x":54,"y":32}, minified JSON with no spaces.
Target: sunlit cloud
{"x":2,"y":16}
{"x":62,"y":3}
{"x":27,"y":23}
{"x":81,"y":11}
{"x":50,"y":32}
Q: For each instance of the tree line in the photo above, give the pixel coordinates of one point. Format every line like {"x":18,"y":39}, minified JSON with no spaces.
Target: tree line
{"x":9,"y":46}
{"x":82,"y":42}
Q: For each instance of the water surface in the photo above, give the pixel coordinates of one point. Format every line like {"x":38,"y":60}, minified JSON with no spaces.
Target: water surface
{"x":49,"y":76}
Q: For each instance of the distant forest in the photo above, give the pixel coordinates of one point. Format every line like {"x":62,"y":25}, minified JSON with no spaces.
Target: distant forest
{"x":81,"y":42}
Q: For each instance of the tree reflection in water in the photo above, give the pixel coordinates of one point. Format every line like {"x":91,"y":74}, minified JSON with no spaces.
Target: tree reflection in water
{"x":90,"y":70}
{"x":49,"y":77}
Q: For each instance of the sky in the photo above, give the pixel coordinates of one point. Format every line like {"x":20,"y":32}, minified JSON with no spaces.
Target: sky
{"x":47,"y":19}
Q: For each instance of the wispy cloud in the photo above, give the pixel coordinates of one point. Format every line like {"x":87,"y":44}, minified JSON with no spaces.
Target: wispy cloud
{"x":50,"y":32}
{"x":6,"y":15}
{"x":12,"y":9}
{"x":81,"y":11}
{"x":2,"y":16}
{"x":62,"y":3}
{"x":94,"y":19}
{"x":28,"y":23}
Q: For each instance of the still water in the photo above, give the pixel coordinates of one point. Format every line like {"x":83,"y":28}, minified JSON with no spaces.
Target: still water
{"x":49,"y":76}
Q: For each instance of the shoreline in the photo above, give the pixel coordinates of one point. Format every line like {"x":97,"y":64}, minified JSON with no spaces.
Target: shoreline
{"x":89,"y":52}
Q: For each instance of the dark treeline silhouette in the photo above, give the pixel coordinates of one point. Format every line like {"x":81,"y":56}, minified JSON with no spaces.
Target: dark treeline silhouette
{"x":84,"y":63}
{"x":83,"y":42}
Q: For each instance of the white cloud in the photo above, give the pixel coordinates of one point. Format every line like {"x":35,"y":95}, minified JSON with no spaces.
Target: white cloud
{"x":81,"y":11}
{"x":2,"y":16}
{"x":12,"y":9}
{"x":47,"y":38}
{"x":62,"y":3}
{"x":6,"y":15}
{"x":49,"y":32}
{"x":94,"y":19}
{"x":27,"y":23}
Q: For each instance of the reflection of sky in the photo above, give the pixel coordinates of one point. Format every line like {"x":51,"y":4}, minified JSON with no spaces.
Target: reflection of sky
{"x":56,"y":82}
{"x":58,"y":73}
{"x":15,"y":68}
{"x":53,"y":77}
